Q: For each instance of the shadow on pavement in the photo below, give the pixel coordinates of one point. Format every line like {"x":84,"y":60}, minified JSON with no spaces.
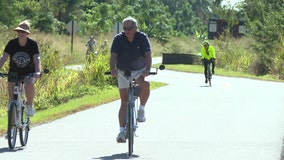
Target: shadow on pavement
{"x":205,"y":86}
{"x":117,"y":156}
{"x":16,"y":149}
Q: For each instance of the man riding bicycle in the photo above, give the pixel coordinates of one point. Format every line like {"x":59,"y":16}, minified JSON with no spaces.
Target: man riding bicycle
{"x":208,"y":56}
{"x":131,"y":51}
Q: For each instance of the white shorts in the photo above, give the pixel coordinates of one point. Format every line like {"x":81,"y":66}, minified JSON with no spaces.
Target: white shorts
{"x":123,"y":82}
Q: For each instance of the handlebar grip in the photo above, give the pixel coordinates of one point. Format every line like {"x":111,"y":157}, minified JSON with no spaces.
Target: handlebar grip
{"x":107,"y":73}
{"x":152,"y":73}
{"x":45,"y":70}
{"x":3,"y":75}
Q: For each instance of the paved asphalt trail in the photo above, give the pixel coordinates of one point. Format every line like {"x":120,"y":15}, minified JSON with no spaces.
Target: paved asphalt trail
{"x":236,"y":119}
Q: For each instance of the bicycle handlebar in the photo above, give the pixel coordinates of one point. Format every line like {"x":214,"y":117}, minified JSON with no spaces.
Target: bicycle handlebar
{"x":107,"y":73}
{"x":45,"y":71}
{"x":3,"y":75}
{"x":128,"y":73}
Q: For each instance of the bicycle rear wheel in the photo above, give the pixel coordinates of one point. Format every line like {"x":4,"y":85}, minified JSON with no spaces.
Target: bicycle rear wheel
{"x":130,"y":130}
{"x":24,"y":130}
{"x":12,"y":127}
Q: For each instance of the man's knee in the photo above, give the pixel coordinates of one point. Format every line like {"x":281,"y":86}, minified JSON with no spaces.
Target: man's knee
{"x":144,"y":85}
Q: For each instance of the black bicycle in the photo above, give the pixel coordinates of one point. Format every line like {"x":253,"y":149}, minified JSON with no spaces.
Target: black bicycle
{"x":131,"y":116}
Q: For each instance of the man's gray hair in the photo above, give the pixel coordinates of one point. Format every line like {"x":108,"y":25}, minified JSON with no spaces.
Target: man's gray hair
{"x":130,"y":19}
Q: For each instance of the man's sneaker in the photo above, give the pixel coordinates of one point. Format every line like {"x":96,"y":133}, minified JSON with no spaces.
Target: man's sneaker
{"x":121,"y":137}
{"x":206,"y":81}
{"x":141,"y":116}
{"x":30,"y":110}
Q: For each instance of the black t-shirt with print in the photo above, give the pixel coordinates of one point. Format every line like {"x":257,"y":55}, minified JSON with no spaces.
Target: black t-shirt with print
{"x":21,"y":57}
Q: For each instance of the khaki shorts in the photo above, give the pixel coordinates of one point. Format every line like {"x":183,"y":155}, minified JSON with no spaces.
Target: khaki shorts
{"x":123,"y":82}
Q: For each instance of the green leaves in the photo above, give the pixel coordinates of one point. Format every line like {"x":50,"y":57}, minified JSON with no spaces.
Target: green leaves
{"x":265,"y":21}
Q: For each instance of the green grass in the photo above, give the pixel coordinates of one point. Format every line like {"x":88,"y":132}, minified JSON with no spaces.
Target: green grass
{"x":73,"y":106}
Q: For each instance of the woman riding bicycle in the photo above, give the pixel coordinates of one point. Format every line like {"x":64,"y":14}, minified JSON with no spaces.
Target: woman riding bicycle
{"x":208,"y":56}
{"x":24,"y":59}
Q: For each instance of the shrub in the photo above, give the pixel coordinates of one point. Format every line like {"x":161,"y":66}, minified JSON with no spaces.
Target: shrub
{"x":231,"y":56}
{"x":259,"y":68}
{"x":95,"y":67}
{"x":278,"y":64}
{"x":57,"y":87}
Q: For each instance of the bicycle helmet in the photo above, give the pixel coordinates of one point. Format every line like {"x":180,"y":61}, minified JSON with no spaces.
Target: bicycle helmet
{"x":206,"y":42}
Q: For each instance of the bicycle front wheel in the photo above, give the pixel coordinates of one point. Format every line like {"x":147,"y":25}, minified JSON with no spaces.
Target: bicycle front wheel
{"x":12,"y":127}
{"x":209,"y":75}
{"x":130,"y":129}
{"x":24,"y":130}
{"x":209,"y":80}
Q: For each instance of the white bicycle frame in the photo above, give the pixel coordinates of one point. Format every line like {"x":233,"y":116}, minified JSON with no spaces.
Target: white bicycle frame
{"x":19,"y":90}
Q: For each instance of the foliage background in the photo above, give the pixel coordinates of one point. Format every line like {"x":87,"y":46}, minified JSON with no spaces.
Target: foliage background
{"x":173,"y":27}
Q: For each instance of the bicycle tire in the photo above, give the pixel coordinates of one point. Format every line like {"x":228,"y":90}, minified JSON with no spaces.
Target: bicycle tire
{"x":24,"y":130}
{"x":12,"y":128}
{"x":209,"y":75}
{"x":209,"y":80}
{"x":130,"y":130}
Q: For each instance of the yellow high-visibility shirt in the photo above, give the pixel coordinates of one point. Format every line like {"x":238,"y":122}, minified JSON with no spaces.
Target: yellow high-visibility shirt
{"x":209,"y":56}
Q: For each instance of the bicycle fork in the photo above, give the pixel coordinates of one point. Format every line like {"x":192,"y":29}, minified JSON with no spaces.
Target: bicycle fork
{"x":16,"y":116}
{"x":18,"y":96}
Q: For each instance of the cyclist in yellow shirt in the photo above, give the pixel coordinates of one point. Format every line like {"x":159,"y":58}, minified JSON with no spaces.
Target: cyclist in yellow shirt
{"x":208,"y":56}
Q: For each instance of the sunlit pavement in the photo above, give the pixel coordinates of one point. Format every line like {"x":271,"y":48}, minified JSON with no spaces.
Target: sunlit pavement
{"x":235,"y":119}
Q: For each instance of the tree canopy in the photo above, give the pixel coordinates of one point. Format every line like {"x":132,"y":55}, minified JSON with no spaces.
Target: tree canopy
{"x":160,"y":18}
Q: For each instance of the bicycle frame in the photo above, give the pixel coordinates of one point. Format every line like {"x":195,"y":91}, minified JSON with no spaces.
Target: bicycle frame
{"x":21,"y":119}
{"x":131,"y":116}
{"x":133,"y":94}
{"x":19,"y":93}
{"x":17,"y":119}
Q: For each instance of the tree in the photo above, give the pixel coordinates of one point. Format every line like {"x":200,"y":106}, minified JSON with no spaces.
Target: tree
{"x":156,"y":21}
{"x":8,"y":12}
{"x":265,"y":21}
{"x":202,"y":9}
{"x":186,"y":21}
